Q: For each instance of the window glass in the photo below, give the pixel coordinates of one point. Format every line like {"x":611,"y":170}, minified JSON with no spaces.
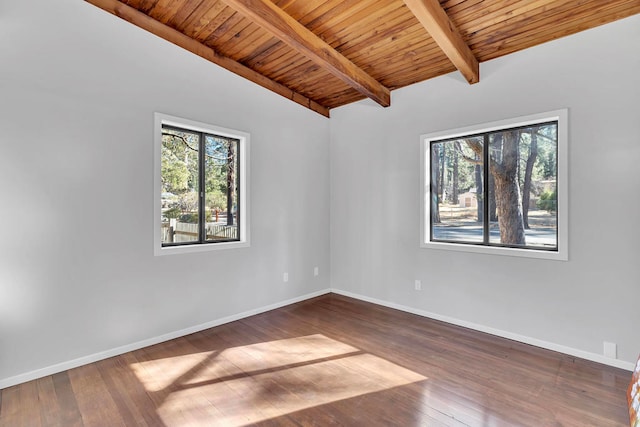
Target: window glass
{"x":222,"y":187}
{"x":456,"y":179}
{"x":200,"y":187}
{"x":180,"y":186}
{"x":522,"y":187}
{"x":496,"y":188}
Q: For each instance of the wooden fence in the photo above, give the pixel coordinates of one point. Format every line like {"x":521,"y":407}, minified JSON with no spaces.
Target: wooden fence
{"x":176,"y":232}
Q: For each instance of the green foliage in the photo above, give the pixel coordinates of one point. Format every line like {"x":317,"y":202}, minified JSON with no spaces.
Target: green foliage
{"x":546,"y":164}
{"x":548,"y":201}
{"x":549,"y":165}
{"x":179,"y":161}
{"x":172,"y":213}
{"x":192,"y":217}
{"x":450,"y":159}
{"x":175,"y":175}
{"x":181,"y":151}
{"x":188,"y":202}
{"x":217,"y":199}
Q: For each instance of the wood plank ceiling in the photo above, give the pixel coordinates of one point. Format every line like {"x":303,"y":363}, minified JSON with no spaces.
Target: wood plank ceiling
{"x":327,"y":53}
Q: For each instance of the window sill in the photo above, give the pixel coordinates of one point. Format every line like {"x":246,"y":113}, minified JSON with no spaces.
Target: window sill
{"x":560,"y":255}
{"x":188,"y":249}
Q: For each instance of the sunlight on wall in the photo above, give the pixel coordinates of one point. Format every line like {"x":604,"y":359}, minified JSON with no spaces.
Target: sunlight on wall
{"x":247,"y":384}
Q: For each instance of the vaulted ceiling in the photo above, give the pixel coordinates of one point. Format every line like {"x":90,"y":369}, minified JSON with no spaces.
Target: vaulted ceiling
{"x":327,"y":53}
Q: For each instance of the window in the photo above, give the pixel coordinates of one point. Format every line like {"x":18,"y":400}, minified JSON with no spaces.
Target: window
{"x":498,"y":188}
{"x":200,"y":186}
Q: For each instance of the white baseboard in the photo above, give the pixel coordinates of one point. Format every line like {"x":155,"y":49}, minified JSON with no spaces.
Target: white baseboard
{"x":504,"y":334}
{"x":54,"y":369}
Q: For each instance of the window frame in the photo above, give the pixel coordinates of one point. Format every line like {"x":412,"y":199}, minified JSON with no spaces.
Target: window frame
{"x":562,"y":253}
{"x":243,"y":138}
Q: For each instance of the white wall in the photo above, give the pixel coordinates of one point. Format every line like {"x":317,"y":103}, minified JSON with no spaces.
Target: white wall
{"x":78,"y":89}
{"x":574,"y":305}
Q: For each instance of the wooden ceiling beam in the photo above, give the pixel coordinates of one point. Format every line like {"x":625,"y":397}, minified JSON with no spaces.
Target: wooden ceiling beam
{"x":273,"y":19}
{"x":437,"y":23}
{"x":163,"y":31}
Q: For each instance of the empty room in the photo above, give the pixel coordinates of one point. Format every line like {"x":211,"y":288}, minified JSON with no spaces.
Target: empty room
{"x":319,"y":212}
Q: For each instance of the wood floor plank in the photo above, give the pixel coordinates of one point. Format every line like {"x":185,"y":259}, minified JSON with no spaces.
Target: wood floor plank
{"x":331,"y":360}
{"x":50,"y":411}
{"x":66,"y":399}
{"x":21,"y":407}
{"x":132,"y":399}
{"x":10,"y":406}
{"x":94,"y":401}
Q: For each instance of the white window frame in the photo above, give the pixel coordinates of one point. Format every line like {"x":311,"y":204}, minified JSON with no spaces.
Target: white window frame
{"x":161,"y":119}
{"x":562,"y":254}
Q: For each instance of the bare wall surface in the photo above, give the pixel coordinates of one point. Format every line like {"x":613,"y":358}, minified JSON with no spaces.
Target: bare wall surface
{"x":375,"y":197}
{"x":78,"y":89}
{"x":77,"y":271}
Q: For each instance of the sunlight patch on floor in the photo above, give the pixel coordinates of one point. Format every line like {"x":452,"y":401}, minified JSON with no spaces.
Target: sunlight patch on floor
{"x":247,"y":384}
{"x":156,"y":375}
{"x":159,"y":374}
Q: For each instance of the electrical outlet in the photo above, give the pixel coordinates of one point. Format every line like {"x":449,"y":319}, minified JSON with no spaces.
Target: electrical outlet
{"x":285,"y":277}
{"x":418,"y":285}
{"x":316,"y":271}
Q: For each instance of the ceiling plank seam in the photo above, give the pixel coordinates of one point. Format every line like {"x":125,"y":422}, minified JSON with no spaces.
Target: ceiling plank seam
{"x":286,"y":28}
{"x":169,"y":34}
{"x":437,"y":23}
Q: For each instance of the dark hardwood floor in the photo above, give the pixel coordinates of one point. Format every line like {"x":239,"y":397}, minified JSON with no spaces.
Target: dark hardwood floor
{"x":329,"y":361}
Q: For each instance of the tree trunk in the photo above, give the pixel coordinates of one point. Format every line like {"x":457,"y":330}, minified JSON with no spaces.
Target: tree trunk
{"x":526,"y":188}
{"x":454,"y":193}
{"x":479,"y":193}
{"x":493,"y":215}
{"x":443,"y":174}
{"x":507,"y":191}
{"x":435,"y":179}
{"x":231,"y":181}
